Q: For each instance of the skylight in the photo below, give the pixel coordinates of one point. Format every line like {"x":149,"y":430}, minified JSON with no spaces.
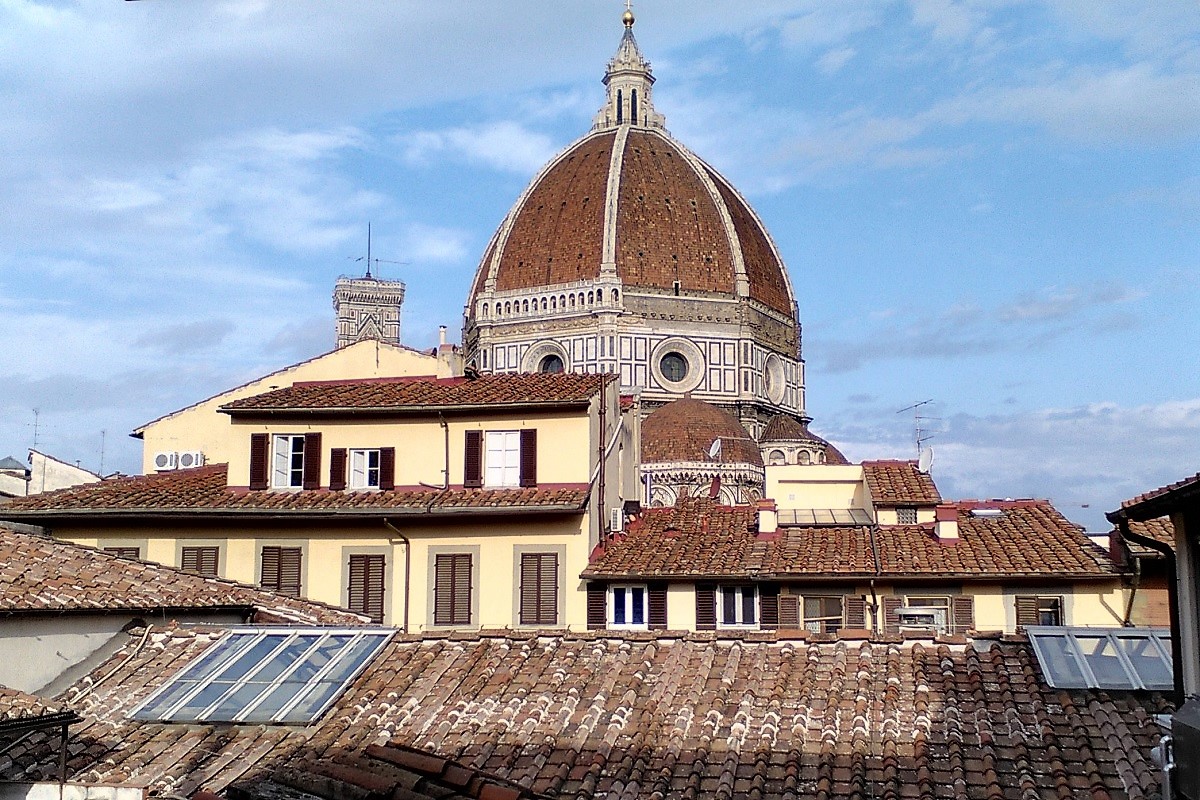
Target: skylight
{"x":824,"y":516}
{"x":265,"y":675}
{"x":1104,"y":658}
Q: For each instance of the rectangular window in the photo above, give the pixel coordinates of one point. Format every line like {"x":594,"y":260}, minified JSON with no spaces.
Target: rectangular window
{"x":452,"y":589}
{"x":200,"y":560}
{"x":502,"y":458}
{"x":288,"y":462}
{"x":906,"y":515}
{"x":738,"y":607}
{"x":627,"y":607}
{"x":539,"y":589}
{"x":124,"y":552}
{"x":823,"y":614}
{"x":364,"y":469}
{"x":281,"y":570}
{"x":1035,"y":610}
{"x":365,"y":586}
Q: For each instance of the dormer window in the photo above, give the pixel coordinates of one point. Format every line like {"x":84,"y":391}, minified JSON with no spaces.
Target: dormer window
{"x":364,"y":469}
{"x":288,"y":461}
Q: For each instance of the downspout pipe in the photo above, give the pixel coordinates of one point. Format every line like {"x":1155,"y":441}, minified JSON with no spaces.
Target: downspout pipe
{"x":878,"y":571}
{"x":1127,"y":622}
{"x":407,"y":566}
{"x":1168,"y":553}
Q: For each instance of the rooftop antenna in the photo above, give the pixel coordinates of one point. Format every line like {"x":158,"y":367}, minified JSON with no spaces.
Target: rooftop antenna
{"x":103,"y":436}
{"x":36,"y":415}
{"x":370,"y":260}
{"x":921,"y":435}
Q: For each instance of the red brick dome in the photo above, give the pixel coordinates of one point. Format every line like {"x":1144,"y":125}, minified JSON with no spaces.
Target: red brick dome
{"x":661,"y":218}
{"x":684,"y":430}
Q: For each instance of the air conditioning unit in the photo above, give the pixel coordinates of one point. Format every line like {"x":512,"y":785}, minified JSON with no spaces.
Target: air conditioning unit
{"x":922,"y":619}
{"x":191,"y":458}
{"x":166,"y":461}
{"x":616,"y":520}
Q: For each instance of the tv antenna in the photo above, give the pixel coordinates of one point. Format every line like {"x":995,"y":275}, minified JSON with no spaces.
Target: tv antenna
{"x":921,"y":435}
{"x":369,"y":261}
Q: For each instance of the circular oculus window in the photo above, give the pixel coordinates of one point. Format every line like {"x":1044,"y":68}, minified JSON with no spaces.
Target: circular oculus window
{"x":674,"y":367}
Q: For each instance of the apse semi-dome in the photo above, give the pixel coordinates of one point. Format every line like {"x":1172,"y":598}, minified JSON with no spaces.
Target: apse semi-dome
{"x":690,"y":447}
{"x":629,"y":254}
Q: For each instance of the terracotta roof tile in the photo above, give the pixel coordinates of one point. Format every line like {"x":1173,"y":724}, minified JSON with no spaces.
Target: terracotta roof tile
{"x":637,"y":716}
{"x":1160,"y":529}
{"x":684,"y":430}
{"x":1145,"y":506}
{"x":698,"y":537}
{"x":204,"y":490}
{"x":398,"y":394}
{"x":900,"y":483}
{"x":41,"y":574}
{"x":15,"y":705}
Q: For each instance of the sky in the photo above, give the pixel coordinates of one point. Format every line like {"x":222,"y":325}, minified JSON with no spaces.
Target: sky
{"x":993,"y":205}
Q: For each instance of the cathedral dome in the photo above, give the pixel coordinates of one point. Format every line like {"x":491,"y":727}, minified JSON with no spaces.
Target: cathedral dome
{"x":684,"y":431}
{"x":637,"y":204}
{"x":786,"y":440}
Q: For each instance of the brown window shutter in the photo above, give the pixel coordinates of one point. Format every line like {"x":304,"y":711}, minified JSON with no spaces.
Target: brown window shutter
{"x":473,"y":460}
{"x":125,"y":552}
{"x":269,"y":574}
{"x":539,"y":589}
{"x":365,"y":590}
{"x":528,"y":457}
{"x":452,"y":589}
{"x":200,"y":560}
{"x":789,"y":611}
{"x":387,"y":468}
{"x":312,"y":461}
{"x":281,"y":570}
{"x":657,"y":606}
{"x":260,"y":453}
{"x":337,"y":469}
{"x":597,"y":603}
{"x":891,"y":617}
{"x":962,"y":609}
{"x":706,"y":607}
{"x":768,"y":601}
{"x":854,"y":610}
{"x":1027,"y":611}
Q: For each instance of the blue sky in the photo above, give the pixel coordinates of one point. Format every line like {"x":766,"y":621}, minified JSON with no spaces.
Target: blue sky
{"x":991,"y":204}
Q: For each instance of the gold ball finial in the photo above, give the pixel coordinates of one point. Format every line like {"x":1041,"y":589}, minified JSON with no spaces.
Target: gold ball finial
{"x":627,"y":17}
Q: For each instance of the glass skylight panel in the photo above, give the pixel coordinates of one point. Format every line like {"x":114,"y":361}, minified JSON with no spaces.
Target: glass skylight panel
{"x":1104,"y":658}
{"x":265,"y":676}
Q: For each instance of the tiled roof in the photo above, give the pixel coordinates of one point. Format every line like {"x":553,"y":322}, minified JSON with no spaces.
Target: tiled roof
{"x":40,"y":574}
{"x":900,"y":483}
{"x":399,"y":394}
{"x":1159,"y":529}
{"x":204,"y":490}
{"x":785,"y":428}
{"x":638,"y":716}
{"x":698,"y":537}
{"x":1157,"y":501}
{"x":684,"y":430}
{"x":18,"y":705}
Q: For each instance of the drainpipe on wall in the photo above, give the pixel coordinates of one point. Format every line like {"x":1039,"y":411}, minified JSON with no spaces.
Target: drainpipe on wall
{"x":1168,"y":553}
{"x":407,"y":567}
{"x":1137,"y":581}
{"x":878,"y":571}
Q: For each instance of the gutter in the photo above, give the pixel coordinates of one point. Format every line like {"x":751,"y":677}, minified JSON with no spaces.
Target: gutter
{"x":175,"y":513}
{"x":274,"y":411}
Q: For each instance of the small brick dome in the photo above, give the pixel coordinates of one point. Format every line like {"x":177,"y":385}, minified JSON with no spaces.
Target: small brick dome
{"x":667,"y":220}
{"x":783,"y":428}
{"x":684,"y":430}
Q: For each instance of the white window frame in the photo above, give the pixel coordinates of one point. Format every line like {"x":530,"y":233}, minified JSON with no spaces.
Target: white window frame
{"x":625,"y":593}
{"x":739,"y":607}
{"x":286,"y":449}
{"x":362,"y":474}
{"x":501,"y":459}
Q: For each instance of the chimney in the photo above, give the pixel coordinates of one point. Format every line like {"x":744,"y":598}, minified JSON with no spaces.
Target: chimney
{"x":768,"y":519}
{"x":946,"y":526}
{"x":441,"y":335}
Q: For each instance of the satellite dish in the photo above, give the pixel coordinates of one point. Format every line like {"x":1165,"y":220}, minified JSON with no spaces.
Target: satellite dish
{"x":714,"y":451}
{"x":925,"y":461}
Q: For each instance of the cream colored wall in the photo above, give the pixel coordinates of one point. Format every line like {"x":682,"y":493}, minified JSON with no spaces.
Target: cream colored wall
{"x":681,"y":607}
{"x":46,"y":474}
{"x":816,"y":486}
{"x":201,"y":427}
{"x":326,"y":549}
{"x":888,"y":516}
{"x":563,"y":445}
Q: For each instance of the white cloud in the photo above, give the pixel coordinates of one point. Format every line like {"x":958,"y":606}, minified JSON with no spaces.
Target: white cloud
{"x":423,"y":244}
{"x":833,"y":60}
{"x":503,"y":145}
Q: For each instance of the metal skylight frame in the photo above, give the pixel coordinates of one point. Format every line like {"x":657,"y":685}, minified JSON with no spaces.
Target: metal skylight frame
{"x":299,"y":672}
{"x":1067,"y":662}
